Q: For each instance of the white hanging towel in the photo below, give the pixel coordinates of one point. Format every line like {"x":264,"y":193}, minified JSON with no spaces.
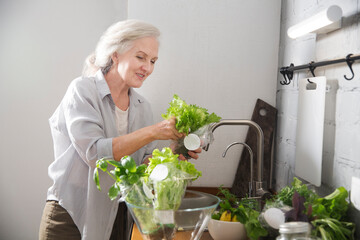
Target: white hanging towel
{"x":310,"y":129}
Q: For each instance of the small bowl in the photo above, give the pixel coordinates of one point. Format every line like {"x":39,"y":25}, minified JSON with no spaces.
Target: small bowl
{"x":222,"y":230}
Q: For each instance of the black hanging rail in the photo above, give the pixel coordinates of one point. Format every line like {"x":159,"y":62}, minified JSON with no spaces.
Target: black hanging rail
{"x":288,"y":72}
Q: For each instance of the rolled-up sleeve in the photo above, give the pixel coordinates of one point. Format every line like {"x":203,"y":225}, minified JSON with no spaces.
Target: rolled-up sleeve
{"x":104,"y":148}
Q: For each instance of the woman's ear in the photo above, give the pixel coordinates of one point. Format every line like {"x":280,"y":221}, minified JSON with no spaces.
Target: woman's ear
{"x":115,"y":57}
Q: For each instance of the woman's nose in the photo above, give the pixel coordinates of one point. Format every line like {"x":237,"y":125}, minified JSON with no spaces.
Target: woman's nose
{"x":147,"y":66}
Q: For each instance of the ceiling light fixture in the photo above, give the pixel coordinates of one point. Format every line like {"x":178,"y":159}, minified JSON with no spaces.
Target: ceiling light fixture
{"x":325,"y":21}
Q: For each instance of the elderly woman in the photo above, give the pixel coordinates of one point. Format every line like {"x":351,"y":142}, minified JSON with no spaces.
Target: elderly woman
{"x":101,"y":116}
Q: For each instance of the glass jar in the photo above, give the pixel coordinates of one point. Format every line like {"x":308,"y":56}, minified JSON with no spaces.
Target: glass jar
{"x":294,"y":231}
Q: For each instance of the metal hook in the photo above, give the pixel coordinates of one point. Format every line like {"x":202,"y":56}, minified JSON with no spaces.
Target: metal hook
{"x":310,"y":81}
{"x":288,"y":75}
{"x":349,"y":63}
{"x":283,"y":72}
{"x":312,"y":68}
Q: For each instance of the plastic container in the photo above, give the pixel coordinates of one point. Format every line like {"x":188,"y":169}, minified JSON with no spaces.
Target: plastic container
{"x":198,"y":139}
{"x":192,"y":142}
{"x":271,"y":218}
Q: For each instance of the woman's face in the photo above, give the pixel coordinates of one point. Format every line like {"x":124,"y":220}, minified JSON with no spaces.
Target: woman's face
{"x":137,"y":63}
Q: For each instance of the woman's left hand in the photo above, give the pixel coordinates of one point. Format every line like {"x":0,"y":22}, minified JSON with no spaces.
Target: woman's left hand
{"x":193,"y":154}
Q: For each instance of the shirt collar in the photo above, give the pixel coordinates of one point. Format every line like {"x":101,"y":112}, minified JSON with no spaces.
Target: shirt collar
{"x":101,"y":84}
{"x":135,"y":98}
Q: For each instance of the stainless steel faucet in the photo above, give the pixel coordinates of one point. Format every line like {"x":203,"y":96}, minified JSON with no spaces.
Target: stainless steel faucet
{"x":251,"y":163}
{"x":259,"y":184}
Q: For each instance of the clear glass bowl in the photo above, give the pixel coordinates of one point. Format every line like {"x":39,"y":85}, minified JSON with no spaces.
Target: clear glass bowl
{"x":191,"y":218}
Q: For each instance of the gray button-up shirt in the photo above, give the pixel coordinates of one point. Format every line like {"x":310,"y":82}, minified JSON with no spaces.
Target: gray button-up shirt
{"x":82,"y":128}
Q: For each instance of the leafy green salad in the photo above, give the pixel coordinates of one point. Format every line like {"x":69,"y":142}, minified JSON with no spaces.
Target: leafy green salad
{"x":148,"y":189}
{"x":169,"y":191}
{"x":126,"y":174}
{"x":189,"y":118}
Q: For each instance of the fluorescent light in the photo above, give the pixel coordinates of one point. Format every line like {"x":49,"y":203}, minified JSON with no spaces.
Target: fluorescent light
{"x":323,"y":22}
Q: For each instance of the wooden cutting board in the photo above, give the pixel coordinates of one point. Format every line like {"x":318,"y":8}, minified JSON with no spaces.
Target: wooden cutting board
{"x":265,"y":116}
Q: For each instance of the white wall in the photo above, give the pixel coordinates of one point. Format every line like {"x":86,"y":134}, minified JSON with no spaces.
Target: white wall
{"x":42,"y":48}
{"x":341,"y":152}
{"x":218,"y":54}
{"x":221,"y":55}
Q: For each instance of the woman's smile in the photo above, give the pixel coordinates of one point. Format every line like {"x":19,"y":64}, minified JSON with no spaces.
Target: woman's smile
{"x":141,"y":76}
{"x":139,"y":60}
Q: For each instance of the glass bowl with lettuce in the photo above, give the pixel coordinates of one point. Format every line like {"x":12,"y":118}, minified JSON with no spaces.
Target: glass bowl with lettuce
{"x":192,"y":120}
{"x":154,"y":193}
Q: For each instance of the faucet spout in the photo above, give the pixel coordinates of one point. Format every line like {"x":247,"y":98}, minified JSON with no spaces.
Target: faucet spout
{"x":251,"y":163}
{"x":260,"y":140}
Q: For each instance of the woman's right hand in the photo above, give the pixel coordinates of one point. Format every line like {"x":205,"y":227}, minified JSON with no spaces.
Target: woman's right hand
{"x":130,"y":143}
{"x":166,"y":130}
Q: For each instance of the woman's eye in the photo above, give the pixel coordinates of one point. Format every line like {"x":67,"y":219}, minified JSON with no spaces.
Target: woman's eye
{"x":139,"y":57}
{"x":153,"y":61}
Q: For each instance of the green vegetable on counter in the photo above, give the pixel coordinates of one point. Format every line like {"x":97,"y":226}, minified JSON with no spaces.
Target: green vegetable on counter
{"x":244,"y":211}
{"x":326,"y":214}
{"x":330,"y":228}
{"x":286,"y":194}
{"x":189,"y":118}
{"x":332,"y":206}
{"x":329,"y":213}
{"x":253,"y":227}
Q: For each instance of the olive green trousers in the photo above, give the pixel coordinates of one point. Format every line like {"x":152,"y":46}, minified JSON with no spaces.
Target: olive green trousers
{"x":57,"y":224}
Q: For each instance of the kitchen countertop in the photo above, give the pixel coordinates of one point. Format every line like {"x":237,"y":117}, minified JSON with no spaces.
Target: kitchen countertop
{"x":179,"y":235}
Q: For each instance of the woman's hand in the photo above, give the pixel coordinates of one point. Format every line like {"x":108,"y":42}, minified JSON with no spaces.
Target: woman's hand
{"x":193,"y":154}
{"x":166,"y":130}
{"x":130,"y":143}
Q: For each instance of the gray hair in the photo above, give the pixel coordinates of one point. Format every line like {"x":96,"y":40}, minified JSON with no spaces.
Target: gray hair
{"x":117,"y":38}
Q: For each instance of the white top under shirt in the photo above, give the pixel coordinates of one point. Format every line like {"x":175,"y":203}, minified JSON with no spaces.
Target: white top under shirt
{"x":121,"y":120}
{"x":83,"y":127}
